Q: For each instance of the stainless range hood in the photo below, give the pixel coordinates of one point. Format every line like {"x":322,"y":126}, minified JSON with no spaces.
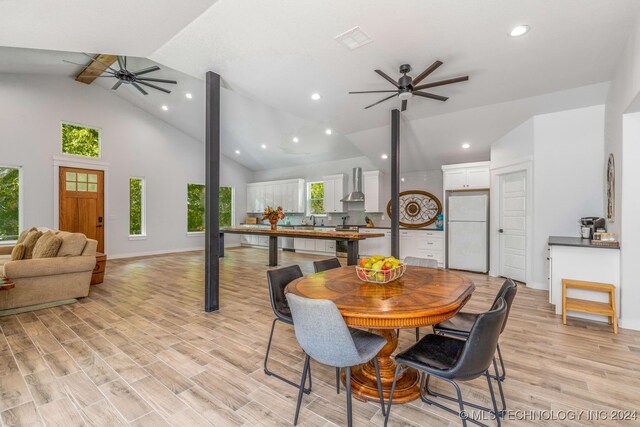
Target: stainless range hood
{"x":356,"y":195}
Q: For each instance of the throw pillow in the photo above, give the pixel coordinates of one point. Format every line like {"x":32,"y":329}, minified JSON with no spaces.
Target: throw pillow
{"x":47,"y":246}
{"x":72,"y":244}
{"x":24,"y":233}
{"x":18,"y":252}
{"x":30,"y":242}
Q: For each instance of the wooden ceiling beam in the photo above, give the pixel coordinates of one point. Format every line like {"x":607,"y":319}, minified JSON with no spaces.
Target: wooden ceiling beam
{"x":95,"y":68}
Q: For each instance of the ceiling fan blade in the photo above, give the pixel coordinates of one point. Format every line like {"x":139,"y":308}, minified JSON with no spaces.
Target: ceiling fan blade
{"x":117,"y":85}
{"x":147,"y":70}
{"x":153,"y":86}
{"x":374,"y":91}
{"x":430,"y":95}
{"x":137,"y":86}
{"x":404,"y":105}
{"x":382,"y":100}
{"x":150,"y":79}
{"x":121,"y":63}
{"x":426,"y":72}
{"x":387,"y":78}
{"x":87,"y":67}
{"x":442,"y":83}
{"x":98,"y":61}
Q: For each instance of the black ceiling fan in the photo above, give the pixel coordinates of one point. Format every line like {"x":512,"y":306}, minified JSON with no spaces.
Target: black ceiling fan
{"x":406,"y":86}
{"x":133,"y":78}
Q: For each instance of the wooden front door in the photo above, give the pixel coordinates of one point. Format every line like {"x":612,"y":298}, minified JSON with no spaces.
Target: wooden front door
{"x":82,"y":203}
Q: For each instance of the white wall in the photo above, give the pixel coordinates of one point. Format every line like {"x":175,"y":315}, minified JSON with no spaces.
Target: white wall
{"x":134,"y":143}
{"x":567,"y":173}
{"x":622,"y":140}
{"x":515,"y":146}
{"x":566,"y":149}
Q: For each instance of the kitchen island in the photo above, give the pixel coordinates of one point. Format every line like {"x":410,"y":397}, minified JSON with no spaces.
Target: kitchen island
{"x":351,"y":237}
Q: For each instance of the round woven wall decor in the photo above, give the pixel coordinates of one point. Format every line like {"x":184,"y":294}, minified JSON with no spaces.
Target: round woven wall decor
{"x":417,"y":208}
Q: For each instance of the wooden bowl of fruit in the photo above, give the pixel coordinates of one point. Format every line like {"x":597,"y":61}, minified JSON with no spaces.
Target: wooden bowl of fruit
{"x":379,"y":269}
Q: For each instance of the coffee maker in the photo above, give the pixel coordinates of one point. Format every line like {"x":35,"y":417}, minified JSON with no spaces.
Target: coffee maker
{"x":589,"y":225}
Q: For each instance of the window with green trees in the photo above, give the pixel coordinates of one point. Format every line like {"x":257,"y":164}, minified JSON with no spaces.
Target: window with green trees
{"x":136,"y":207}
{"x":80,"y":140}
{"x":196,"y":207}
{"x":316,"y":198}
{"x":9,"y":203}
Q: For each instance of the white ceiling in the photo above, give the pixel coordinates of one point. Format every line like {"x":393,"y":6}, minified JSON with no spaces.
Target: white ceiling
{"x":122,"y":27}
{"x":273,"y":55}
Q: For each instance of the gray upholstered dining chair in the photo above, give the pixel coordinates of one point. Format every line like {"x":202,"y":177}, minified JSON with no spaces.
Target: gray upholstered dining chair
{"x":420,"y":262}
{"x":326,"y":264}
{"x":323,"y":335}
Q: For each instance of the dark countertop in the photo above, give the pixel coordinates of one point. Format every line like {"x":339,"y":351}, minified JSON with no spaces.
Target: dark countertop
{"x":576,"y":241}
{"x":333,"y":226}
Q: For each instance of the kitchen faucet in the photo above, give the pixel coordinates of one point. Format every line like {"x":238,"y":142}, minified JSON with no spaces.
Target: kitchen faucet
{"x":344,"y":220}
{"x":313,"y":218}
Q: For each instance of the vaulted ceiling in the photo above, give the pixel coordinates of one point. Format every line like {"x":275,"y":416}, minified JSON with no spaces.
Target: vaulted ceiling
{"x":273,"y":55}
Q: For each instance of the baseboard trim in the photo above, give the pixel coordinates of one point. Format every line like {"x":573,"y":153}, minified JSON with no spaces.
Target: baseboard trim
{"x":540,"y":286}
{"x":633,"y":324}
{"x":149,"y":253}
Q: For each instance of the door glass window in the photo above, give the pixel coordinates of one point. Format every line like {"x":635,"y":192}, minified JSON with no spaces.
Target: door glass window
{"x":77,"y":181}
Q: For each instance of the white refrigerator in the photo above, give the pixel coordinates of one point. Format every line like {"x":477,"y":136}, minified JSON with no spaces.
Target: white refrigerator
{"x":467,"y":230}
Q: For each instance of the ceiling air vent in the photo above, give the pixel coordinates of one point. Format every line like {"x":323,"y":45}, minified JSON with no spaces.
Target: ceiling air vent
{"x":353,"y":38}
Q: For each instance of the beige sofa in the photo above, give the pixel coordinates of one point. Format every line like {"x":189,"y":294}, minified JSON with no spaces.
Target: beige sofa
{"x":45,"y":280}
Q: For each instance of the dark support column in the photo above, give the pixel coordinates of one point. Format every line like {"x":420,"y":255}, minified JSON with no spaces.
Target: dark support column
{"x":212,"y":182}
{"x":273,"y":251}
{"x":352,"y":252}
{"x":395,"y":183}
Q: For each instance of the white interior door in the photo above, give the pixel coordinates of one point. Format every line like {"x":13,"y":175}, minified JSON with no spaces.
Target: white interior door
{"x":513,"y":225}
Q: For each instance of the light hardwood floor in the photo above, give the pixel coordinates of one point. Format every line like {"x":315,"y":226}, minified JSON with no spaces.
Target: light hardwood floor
{"x":140,"y":351}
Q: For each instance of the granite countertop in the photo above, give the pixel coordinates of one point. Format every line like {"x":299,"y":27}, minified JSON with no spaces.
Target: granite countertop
{"x":360,"y":226}
{"x":576,"y":242}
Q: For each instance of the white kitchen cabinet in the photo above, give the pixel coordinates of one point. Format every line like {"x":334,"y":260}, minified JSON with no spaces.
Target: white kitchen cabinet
{"x":334,"y":191}
{"x":287,"y":193}
{"x":375,"y":245}
{"x":588,"y":263}
{"x":373,"y":200}
{"x":466,"y":176}
{"x":422,"y":244}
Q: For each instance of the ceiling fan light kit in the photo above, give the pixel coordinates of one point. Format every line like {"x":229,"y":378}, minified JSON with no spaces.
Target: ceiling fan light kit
{"x":407,"y":87}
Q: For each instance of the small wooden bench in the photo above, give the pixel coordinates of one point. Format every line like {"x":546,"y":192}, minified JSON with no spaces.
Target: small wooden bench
{"x":586,"y":306}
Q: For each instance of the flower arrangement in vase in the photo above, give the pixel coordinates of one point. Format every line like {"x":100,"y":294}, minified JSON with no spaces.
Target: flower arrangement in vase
{"x":273,"y":215}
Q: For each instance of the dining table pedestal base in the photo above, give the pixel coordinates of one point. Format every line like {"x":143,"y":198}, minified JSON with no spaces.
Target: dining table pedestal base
{"x":363,"y":377}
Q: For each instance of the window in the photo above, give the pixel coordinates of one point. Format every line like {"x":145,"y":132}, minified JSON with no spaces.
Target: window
{"x":316,"y":198}
{"x":226,"y":207}
{"x":80,"y":140}
{"x":137,"y":226}
{"x":9,"y":203}
{"x":196,"y":203}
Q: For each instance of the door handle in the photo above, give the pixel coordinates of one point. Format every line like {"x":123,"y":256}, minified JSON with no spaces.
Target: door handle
{"x":99,"y":225}
{"x":500,"y":230}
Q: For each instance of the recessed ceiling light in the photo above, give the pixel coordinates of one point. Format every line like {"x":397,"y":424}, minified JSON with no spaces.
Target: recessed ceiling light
{"x":237,"y":151}
{"x":165,"y":108}
{"x":520,"y":30}
{"x":466,"y":145}
{"x":295,"y":139}
{"x":315,"y":96}
{"x":328,"y":131}
{"x":402,"y":179}
{"x":188,"y":95}
{"x":264,"y":146}
{"x":384,"y":157}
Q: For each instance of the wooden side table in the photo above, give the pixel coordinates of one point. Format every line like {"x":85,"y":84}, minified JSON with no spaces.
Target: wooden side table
{"x":98,"y":272}
{"x":586,"y":306}
{"x":6,"y":284}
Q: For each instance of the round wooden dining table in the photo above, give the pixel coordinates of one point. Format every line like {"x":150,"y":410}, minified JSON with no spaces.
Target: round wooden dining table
{"x":421,"y":297}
